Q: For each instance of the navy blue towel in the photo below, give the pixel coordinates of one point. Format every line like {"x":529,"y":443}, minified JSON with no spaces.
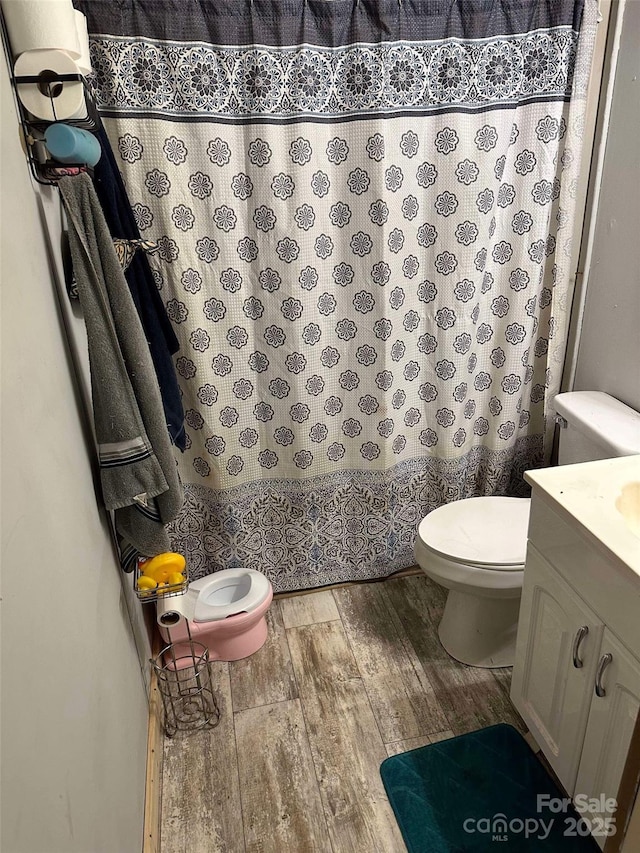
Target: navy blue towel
{"x":161,"y":338}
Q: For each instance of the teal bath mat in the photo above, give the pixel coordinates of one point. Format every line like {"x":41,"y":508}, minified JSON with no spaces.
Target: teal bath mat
{"x":480,"y":792}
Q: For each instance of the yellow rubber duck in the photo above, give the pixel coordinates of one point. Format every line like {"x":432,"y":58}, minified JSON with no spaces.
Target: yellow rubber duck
{"x":162,"y":573}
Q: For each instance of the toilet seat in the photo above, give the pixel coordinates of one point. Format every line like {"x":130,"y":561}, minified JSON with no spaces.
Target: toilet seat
{"x":487,"y":533}
{"x":227,"y":593}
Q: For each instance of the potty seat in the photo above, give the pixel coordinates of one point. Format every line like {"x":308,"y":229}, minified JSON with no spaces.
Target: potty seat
{"x":228,"y":593}
{"x":224,"y":611}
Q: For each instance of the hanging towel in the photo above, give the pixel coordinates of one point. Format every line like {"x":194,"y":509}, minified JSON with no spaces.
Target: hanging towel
{"x":161,"y":338}
{"x":126,"y":250}
{"x":137,"y":467}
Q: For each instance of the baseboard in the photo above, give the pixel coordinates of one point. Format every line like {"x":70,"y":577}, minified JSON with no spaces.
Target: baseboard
{"x":411,"y":571}
{"x":153,"y":786}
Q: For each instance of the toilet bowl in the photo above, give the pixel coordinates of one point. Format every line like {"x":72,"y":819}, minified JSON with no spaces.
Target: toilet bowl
{"x":224,"y":611}
{"x":476,"y":549}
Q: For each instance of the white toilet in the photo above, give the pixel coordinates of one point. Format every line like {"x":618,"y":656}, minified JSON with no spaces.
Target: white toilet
{"x":476,"y":547}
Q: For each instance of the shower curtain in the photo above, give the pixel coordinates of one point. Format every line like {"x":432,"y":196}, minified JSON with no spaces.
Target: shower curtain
{"x":364,"y":219}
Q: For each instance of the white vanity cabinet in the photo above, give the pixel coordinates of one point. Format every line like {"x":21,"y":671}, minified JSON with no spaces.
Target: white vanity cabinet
{"x":576,"y":677}
{"x":556,"y":659}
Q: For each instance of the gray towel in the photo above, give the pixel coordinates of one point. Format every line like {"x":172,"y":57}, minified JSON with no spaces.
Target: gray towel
{"x":138,"y":471}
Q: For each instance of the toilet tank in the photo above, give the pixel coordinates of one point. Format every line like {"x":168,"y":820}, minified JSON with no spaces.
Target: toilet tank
{"x":595,"y":426}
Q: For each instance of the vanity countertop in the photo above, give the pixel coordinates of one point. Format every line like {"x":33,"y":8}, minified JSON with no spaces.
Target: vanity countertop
{"x":590,"y":494}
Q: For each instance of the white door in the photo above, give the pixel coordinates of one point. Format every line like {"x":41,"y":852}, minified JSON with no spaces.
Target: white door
{"x":556,"y":658}
{"x":612,"y":717}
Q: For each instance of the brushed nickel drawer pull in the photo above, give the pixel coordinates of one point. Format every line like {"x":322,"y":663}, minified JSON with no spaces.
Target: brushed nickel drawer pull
{"x":580,"y":635}
{"x":605,"y":660}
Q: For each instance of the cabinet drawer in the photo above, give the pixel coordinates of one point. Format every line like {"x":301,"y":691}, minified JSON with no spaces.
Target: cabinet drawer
{"x":610,"y":589}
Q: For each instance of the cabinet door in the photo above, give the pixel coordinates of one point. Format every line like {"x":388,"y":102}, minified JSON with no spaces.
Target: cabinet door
{"x":612,"y":718}
{"x":553,"y":674}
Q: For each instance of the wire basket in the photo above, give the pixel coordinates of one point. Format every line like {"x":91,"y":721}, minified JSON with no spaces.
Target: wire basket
{"x":184,"y":683}
{"x":147,"y":595}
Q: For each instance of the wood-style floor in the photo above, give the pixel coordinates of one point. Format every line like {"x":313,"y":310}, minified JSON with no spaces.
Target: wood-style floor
{"x":347,"y":677}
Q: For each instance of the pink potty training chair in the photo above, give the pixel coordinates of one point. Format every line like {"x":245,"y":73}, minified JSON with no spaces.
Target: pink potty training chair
{"x":224,"y":611}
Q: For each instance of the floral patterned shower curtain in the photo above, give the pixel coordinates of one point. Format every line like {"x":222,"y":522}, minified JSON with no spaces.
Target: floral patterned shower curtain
{"x":364,"y":216}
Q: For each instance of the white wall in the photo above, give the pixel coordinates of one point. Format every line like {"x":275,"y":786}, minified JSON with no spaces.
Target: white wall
{"x":74,"y":708}
{"x":609,"y":348}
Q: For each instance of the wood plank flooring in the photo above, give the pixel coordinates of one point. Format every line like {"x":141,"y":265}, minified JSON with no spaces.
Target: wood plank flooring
{"x":276,"y":769}
{"x":347,"y":677}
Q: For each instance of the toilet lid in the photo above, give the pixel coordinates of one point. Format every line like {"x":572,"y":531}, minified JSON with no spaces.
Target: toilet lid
{"x":480,"y":531}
